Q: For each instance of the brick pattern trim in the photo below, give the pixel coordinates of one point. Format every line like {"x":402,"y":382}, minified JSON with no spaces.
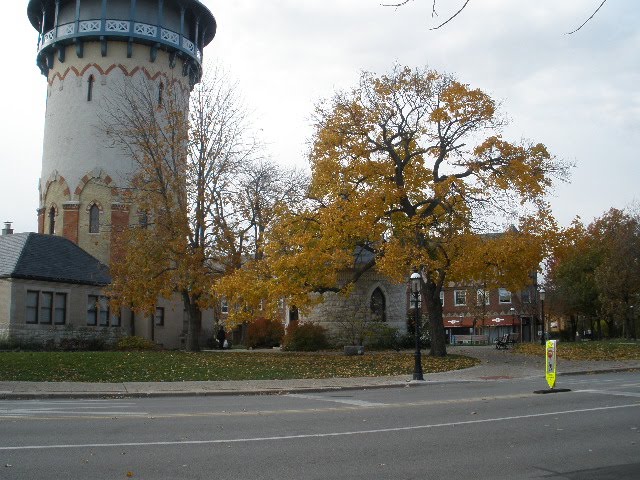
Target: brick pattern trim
{"x":110,"y":68}
{"x":87,"y":178}
{"x":96,"y":203}
{"x":56,"y":177}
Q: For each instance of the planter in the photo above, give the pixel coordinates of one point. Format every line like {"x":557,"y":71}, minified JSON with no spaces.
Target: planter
{"x":350,"y":350}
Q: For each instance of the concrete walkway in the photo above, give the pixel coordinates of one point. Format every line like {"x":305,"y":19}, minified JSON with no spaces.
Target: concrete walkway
{"x":495,"y":365}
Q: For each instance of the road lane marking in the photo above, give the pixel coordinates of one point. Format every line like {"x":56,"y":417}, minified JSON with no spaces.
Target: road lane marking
{"x":348,"y":401}
{"x":54,"y":408}
{"x":611,"y":392}
{"x":314,"y":435}
{"x":345,"y":408}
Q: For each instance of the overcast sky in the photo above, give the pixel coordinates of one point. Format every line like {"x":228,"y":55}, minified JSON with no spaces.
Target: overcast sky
{"x":578,"y":94}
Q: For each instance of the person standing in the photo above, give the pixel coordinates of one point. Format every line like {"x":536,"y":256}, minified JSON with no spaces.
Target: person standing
{"x":221,"y":337}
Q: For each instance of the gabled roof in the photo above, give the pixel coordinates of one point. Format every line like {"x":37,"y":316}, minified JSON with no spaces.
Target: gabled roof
{"x":50,"y":258}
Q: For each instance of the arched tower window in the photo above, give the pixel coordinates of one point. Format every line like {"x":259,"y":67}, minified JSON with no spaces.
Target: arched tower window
{"x":160,"y":93}
{"x":378,"y":306}
{"x":90,"y":83}
{"x":52,"y":220}
{"x":94,"y":219}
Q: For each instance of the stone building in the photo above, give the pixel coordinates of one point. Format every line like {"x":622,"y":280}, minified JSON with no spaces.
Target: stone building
{"x":372,"y":299}
{"x":51,"y":289}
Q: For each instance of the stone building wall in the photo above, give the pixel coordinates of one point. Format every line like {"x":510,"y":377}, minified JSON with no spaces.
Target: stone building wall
{"x":5,"y":306}
{"x":76,"y":314}
{"x":335,"y":309}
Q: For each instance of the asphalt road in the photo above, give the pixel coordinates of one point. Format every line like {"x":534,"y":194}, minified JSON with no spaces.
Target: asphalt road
{"x":490,"y":429}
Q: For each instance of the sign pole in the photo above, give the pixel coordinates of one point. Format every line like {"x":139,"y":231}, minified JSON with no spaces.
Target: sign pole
{"x":550,"y":357}
{"x":551,"y":364}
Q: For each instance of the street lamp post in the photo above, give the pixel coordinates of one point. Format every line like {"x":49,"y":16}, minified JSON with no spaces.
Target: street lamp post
{"x":416,"y":284}
{"x":542,"y":294}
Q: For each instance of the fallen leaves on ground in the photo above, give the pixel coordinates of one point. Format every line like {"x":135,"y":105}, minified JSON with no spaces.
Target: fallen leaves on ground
{"x":604,"y":350}
{"x":183,"y":366}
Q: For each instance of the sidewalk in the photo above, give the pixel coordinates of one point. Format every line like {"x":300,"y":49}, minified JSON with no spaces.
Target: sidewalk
{"x":495,"y":365}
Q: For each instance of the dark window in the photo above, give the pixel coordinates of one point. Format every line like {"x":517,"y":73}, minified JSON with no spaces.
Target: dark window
{"x":46,"y":307}
{"x":60,"y":309}
{"x":90,"y":83}
{"x":94,"y":219}
{"x":52,"y":221}
{"x":98,"y":312}
{"x":459,"y":297}
{"x":103,"y":304}
{"x":143,"y":220}
{"x":159,"y":316}
{"x":92,"y":310}
{"x":504,"y":295}
{"x":116,"y":319}
{"x":160,"y":93}
{"x":293,"y":313}
{"x":378,"y":306}
{"x":32,"y":306}
{"x":224,"y":306}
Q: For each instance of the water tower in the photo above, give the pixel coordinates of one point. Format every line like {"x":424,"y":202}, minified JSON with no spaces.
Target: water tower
{"x":85,"y":48}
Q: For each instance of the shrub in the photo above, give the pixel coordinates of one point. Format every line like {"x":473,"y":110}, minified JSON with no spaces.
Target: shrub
{"x":383,"y":337}
{"x":135,"y":343}
{"x":87,"y":344}
{"x":264,"y":333}
{"x":307,"y":337}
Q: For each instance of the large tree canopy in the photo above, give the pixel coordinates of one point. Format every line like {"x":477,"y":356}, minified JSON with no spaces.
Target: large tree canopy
{"x":595,"y":273}
{"x":411,"y":166}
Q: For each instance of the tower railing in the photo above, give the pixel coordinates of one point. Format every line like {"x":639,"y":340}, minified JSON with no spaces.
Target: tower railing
{"x":121,"y":29}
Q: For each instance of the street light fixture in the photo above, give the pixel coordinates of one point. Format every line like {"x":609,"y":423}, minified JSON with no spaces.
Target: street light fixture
{"x":416,"y":286}
{"x":542,"y":295}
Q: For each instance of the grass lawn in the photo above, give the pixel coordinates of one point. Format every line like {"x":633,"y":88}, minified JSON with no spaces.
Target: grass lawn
{"x":598,"y":350}
{"x":181,"y":366}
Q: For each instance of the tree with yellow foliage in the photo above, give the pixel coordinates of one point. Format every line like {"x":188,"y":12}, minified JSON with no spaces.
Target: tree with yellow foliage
{"x":200,"y":187}
{"x":411,"y":167}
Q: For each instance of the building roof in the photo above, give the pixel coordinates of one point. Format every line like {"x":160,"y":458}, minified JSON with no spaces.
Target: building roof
{"x":50,"y":258}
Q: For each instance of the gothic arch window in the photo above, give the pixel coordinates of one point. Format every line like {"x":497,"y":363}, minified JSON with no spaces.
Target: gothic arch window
{"x":94,"y":219}
{"x":52,"y":220}
{"x":90,"y":83}
{"x":378,"y":306}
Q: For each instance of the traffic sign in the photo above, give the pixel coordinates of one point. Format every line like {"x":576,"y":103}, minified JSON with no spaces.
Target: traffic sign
{"x":550,"y":357}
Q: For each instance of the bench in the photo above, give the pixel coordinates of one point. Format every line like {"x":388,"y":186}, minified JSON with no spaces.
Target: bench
{"x":507,"y":339}
{"x":470,"y":339}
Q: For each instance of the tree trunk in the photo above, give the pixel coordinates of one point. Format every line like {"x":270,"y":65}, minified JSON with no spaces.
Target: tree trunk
{"x":194,"y":323}
{"x":431,"y":294}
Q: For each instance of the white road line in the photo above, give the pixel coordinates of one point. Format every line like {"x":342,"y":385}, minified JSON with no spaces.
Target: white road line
{"x":611,"y":392}
{"x":26,"y":413}
{"x":314,"y":435}
{"x":359,"y":403}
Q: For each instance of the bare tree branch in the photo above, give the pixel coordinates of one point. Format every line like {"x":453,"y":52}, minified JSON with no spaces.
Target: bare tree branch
{"x":588,"y":19}
{"x":451,"y":17}
{"x":435,"y":14}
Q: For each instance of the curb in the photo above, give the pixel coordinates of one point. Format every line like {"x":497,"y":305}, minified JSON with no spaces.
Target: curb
{"x":266,"y":391}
